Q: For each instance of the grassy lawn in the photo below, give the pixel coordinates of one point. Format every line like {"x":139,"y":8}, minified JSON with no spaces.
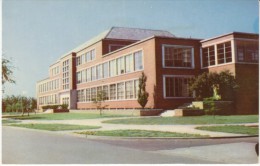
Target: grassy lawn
{"x":139,"y":133}
{"x":8,"y":121}
{"x":55,"y":127}
{"x":64,"y":116}
{"x":187,"y":120}
{"x":232,"y":129}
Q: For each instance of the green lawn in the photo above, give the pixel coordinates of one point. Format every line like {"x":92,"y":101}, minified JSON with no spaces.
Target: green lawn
{"x":63,"y":116}
{"x":8,"y":121}
{"x":139,"y":133}
{"x":55,"y":127}
{"x":232,"y":129}
{"x":187,"y":120}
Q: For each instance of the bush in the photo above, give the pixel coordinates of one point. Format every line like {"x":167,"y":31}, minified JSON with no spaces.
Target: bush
{"x":62,"y":106}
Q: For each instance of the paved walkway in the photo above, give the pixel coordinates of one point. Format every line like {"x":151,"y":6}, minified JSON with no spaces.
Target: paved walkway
{"x":190,"y":129}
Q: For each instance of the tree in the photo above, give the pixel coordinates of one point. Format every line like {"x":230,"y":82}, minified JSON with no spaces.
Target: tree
{"x":205,"y":84}
{"x":6,"y":71}
{"x":142,"y":94}
{"x":99,"y":100}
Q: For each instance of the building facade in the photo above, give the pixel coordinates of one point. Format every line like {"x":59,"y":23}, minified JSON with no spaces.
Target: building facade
{"x":114,"y":60}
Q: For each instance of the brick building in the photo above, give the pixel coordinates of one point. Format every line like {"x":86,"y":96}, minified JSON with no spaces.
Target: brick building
{"x":114,"y":60}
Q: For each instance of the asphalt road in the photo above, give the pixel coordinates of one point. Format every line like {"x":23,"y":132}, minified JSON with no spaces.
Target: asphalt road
{"x":25,"y":146}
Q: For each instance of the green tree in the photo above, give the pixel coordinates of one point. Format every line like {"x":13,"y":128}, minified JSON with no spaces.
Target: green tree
{"x":142,"y":94}
{"x":204,"y":84}
{"x":99,"y":101}
{"x":7,"y":72}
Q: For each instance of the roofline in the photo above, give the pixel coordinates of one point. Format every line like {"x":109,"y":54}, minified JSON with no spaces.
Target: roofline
{"x":55,"y":63}
{"x":43,"y":80}
{"x":231,"y":33}
{"x":149,"y":38}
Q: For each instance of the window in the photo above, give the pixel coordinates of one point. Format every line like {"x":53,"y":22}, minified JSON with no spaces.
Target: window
{"x":138,"y":60}
{"x":65,"y":76}
{"x":105,"y":90}
{"x":113,"y":47}
{"x":93,"y":54}
{"x":247,"y":51}
{"x":120,"y":91}
{"x":83,"y":76}
{"x":93,"y":73}
{"x":93,"y":93}
{"x":99,"y":72}
{"x":224,"y":53}
{"x":178,"y":56}
{"x":112,"y":68}
{"x":136,"y":88}
{"x":79,"y":77}
{"x":99,"y":90}
{"x":176,"y":86}
{"x":88,"y":95}
{"x":129,"y":93}
{"x":82,"y":97}
{"x":112,"y":90}
{"x":87,"y":57}
{"x":208,"y":56}
{"x":121,"y":65}
{"x":105,"y":70}
{"x":88,"y":74}
{"x":129,"y":63}
{"x":78,"y":60}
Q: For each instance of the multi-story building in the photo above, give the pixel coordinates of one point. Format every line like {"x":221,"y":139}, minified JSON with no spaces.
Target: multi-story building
{"x":114,"y":60}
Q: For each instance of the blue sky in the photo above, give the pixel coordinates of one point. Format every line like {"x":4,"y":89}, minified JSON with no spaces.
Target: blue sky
{"x":37,"y":32}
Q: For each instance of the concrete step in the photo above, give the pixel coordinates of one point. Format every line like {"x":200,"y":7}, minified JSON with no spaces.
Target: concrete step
{"x":171,"y":113}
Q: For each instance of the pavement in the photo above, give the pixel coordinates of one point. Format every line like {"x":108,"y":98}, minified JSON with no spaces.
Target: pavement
{"x":241,"y":153}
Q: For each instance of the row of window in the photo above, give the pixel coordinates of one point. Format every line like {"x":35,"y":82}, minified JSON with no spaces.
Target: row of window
{"x":49,"y":86}
{"x":87,"y":57}
{"x":117,"y":91}
{"x":47,"y":100}
{"x":247,"y":51}
{"x":55,"y":71}
{"x":124,"y":64}
{"x":65,"y":75}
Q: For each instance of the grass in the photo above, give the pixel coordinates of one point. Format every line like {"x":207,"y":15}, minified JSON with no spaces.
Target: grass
{"x":139,"y":133}
{"x":8,"y":121}
{"x":63,"y":116}
{"x":187,"y":120}
{"x":55,"y":127}
{"x":236,"y":129}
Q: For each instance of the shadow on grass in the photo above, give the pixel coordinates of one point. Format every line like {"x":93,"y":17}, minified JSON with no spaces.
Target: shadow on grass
{"x":24,"y":117}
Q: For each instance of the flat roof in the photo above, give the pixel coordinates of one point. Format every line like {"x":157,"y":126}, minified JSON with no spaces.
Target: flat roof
{"x":227,"y":34}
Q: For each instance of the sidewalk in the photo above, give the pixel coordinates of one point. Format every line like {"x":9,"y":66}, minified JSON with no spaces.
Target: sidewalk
{"x":190,"y":129}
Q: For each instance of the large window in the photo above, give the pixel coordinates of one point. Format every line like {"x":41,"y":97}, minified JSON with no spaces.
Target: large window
{"x":138,"y":60}
{"x":93,"y":73}
{"x":178,"y":56}
{"x":79,"y":80}
{"x":121,"y":65}
{"x":224,"y":53}
{"x":93,"y":93}
{"x":247,"y":51}
{"x":65,"y":75}
{"x":129,"y":93}
{"x":176,"y":86}
{"x":113,"y":68}
{"x":208,"y":56}
{"x":88,"y":74}
{"x":136,"y":88}
{"x":88,"y":95}
{"x":112,"y":92}
{"x":90,"y":55}
{"x":120,"y":90}
{"x":105,"y":90}
{"x":99,"y":72}
{"x":129,"y":63}
{"x":105,"y":70}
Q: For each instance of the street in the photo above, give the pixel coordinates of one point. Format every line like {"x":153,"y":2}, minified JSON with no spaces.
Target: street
{"x":25,"y":146}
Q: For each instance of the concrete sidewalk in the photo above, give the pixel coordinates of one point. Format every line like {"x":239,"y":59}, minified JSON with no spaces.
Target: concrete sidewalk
{"x":190,"y":129}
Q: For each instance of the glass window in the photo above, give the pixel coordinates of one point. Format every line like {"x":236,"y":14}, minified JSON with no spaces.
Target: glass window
{"x":106,"y":93}
{"x":88,"y":95}
{"x":112,"y":68}
{"x":88,"y":57}
{"x":129,"y":63}
{"x":88,"y":74}
{"x":224,"y":52}
{"x":93,"y":54}
{"x":93,"y":73}
{"x":129,"y":91}
{"x":93,"y":93}
{"x":121,"y":65}
{"x":177,"y":56}
{"x":177,"y":87}
{"x":105,"y":70}
{"x":99,"y":72}
{"x":138,"y":60}
{"x":208,"y":56}
{"x":247,"y":51}
{"x":136,"y":88}
{"x":83,"y":75}
{"x":112,"y":91}
{"x":79,"y":77}
{"x":120,"y":90}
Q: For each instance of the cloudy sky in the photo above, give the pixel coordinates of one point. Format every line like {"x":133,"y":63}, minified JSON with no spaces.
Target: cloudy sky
{"x":37,"y":32}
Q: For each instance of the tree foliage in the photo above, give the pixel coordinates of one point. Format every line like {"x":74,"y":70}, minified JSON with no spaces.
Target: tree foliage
{"x":19,"y":104}
{"x":204,"y":84}
{"x":99,"y":101}
{"x":142,"y":94}
{"x":7,"y":72}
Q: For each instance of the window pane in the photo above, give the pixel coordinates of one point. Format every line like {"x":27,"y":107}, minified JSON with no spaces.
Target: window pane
{"x":138,"y":60}
{"x":105,"y":90}
{"x":129,"y":63}
{"x":113,"y":68}
{"x":93,"y":93}
{"x":120,"y":91}
{"x":129,"y":90}
{"x":112,"y":91}
{"x":177,"y":87}
{"x":99,"y":71}
{"x":105,"y":70}
{"x":88,"y":95}
{"x":177,"y":56}
{"x":93,"y":73}
{"x":121,"y":65}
